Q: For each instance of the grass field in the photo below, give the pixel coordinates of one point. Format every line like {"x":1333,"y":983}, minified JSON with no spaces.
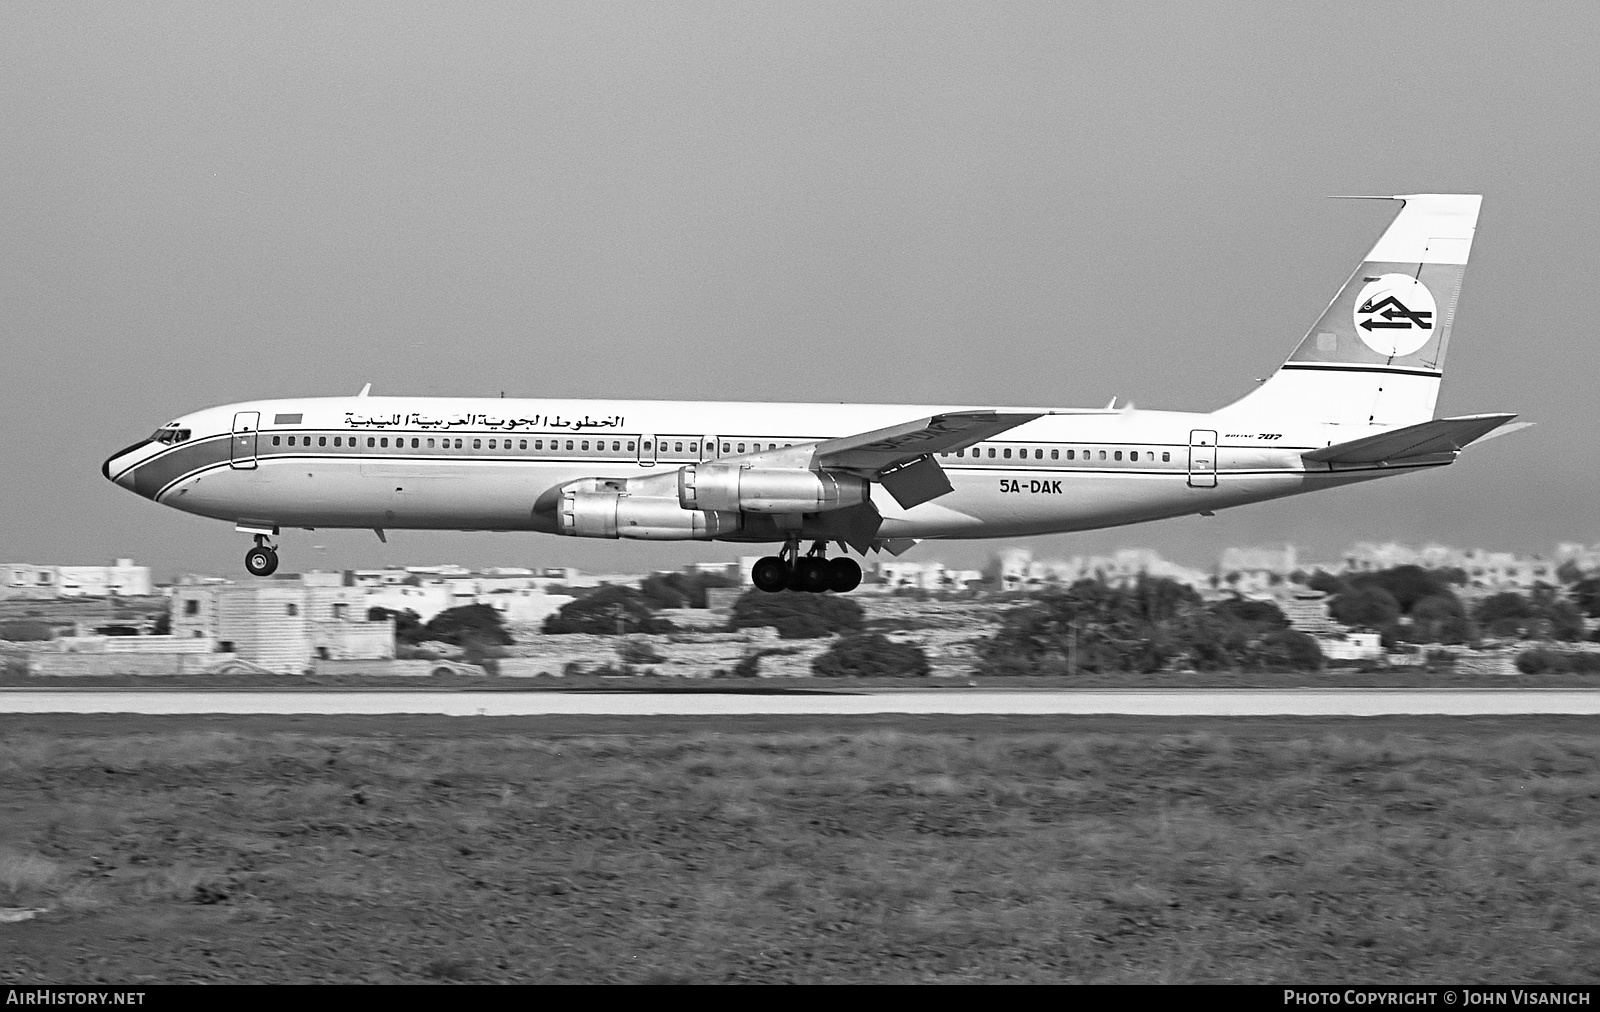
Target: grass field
{"x":890,"y":849}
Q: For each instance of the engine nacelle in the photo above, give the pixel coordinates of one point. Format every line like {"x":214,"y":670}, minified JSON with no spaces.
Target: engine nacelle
{"x":767,"y":489}
{"x":647,"y":518}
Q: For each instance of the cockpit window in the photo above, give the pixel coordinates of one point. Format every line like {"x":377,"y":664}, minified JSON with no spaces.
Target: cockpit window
{"x":167,"y":434}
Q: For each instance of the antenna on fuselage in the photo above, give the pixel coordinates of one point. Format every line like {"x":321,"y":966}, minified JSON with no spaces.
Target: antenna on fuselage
{"x":365,"y":390}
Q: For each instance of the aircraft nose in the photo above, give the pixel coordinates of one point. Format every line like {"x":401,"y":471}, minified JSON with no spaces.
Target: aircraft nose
{"x":118,"y":472}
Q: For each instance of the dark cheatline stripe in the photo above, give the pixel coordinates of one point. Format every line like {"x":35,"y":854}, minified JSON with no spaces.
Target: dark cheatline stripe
{"x":105,"y":468}
{"x":1363,"y":368}
{"x":162,"y":470}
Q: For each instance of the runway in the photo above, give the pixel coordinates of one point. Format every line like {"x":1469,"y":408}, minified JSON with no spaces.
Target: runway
{"x":1317,"y":702}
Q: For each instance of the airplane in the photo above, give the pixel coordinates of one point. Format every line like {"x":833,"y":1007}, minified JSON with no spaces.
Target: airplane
{"x":1354,"y":402}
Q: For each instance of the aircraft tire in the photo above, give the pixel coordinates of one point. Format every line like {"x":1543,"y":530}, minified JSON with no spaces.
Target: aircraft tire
{"x":844,"y":575}
{"x":810,"y":575}
{"x":770,"y":574}
{"x":261,"y":561}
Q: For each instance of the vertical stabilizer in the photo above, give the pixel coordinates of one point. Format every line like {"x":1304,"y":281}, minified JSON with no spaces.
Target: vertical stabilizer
{"x":1376,"y":355}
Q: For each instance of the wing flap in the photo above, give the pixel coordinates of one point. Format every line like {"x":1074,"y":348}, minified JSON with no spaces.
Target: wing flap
{"x":1441,"y":435}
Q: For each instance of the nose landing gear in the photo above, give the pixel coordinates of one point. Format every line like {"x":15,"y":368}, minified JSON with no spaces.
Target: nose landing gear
{"x":813,"y":573}
{"x":262,"y":560}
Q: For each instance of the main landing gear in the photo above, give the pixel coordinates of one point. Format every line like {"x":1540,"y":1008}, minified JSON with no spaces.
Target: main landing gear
{"x":262,"y":560}
{"x":813,"y":573}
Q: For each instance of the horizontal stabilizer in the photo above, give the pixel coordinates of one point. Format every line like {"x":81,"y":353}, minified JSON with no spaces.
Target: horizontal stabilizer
{"x":1441,"y":435}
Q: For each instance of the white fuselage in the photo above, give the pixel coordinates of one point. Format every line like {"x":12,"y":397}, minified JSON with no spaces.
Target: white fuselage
{"x":482,"y":464}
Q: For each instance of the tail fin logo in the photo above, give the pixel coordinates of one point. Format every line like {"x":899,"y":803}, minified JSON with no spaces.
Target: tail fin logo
{"x":1395,"y":314}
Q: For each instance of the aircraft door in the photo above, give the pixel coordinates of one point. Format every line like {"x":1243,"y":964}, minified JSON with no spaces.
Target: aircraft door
{"x":242,"y":454}
{"x":647,"y":450}
{"x":1202,"y":458}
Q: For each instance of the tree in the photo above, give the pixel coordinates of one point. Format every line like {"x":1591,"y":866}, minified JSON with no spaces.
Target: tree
{"x":1255,"y":612}
{"x":681,"y":590}
{"x":469,"y":625}
{"x":1439,"y":619}
{"x":1587,"y":595}
{"x":871,"y":654}
{"x":1365,"y":605}
{"x":1289,"y":649}
{"x":796,"y":615}
{"x":1092,"y":626}
{"x":1539,"y":615}
{"x":1326,"y":582}
{"x":1569,"y":572}
{"x":609,"y":611}
{"x":1408,"y":584}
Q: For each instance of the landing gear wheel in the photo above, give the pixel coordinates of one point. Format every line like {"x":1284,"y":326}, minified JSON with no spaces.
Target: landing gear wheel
{"x":770,"y":574}
{"x":844,"y":575}
{"x":261,"y":561}
{"x":811,"y":575}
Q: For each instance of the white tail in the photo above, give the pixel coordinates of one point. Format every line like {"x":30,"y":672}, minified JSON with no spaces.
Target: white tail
{"x":1376,"y":355}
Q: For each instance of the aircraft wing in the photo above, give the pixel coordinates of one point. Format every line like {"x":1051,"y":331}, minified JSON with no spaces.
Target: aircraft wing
{"x":900,"y":457}
{"x":1441,"y":435}
{"x":884,"y":449}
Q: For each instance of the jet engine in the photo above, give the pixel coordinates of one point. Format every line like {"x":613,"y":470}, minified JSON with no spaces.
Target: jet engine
{"x":767,"y":489}
{"x":647,"y":518}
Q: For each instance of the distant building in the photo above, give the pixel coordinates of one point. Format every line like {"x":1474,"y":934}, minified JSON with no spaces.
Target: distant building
{"x":1484,"y":570}
{"x":282,"y":625}
{"x":1255,"y":571}
{"x":895,"y":574}
{"x":1017,"y":569}
{"x":120,"y":579}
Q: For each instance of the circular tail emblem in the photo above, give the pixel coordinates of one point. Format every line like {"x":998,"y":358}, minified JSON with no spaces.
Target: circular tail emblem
{"x":1395,"y":315}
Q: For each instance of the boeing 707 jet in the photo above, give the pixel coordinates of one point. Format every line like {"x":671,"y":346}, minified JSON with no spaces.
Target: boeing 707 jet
{"x":1355,"y":401}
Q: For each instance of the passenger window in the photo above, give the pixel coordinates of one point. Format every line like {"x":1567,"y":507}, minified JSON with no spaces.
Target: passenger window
{"x":1055,"y":454}
{"x":1038,"y":454}
{"x":384,"y":442}
{"x":1118,"y":455}
{"x":991,"y":451}
{"x":371,"y":442}
{"x":1007,"y":453}
{"x":491,"y":444}
{"x":322,"y":440}
{"x":630,"y":446}
{"x":275,"y":440}
{"x":1134,"y":455}
{"x":724,"y":447}
{"x":677,"y":447}
{"x":694,"y":447}
{"x":1102,"y":455}
{"x":1165,"y":455}
{"x":477,"y":444}
{"x":338,"y":440}
{"x":430,"y":444}
{"x":522,"y":444}
{"x":569,"y":444}
{"x":616,"y":446}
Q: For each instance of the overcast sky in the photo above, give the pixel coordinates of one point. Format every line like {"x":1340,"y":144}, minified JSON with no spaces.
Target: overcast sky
{"x":1029,"y":203}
